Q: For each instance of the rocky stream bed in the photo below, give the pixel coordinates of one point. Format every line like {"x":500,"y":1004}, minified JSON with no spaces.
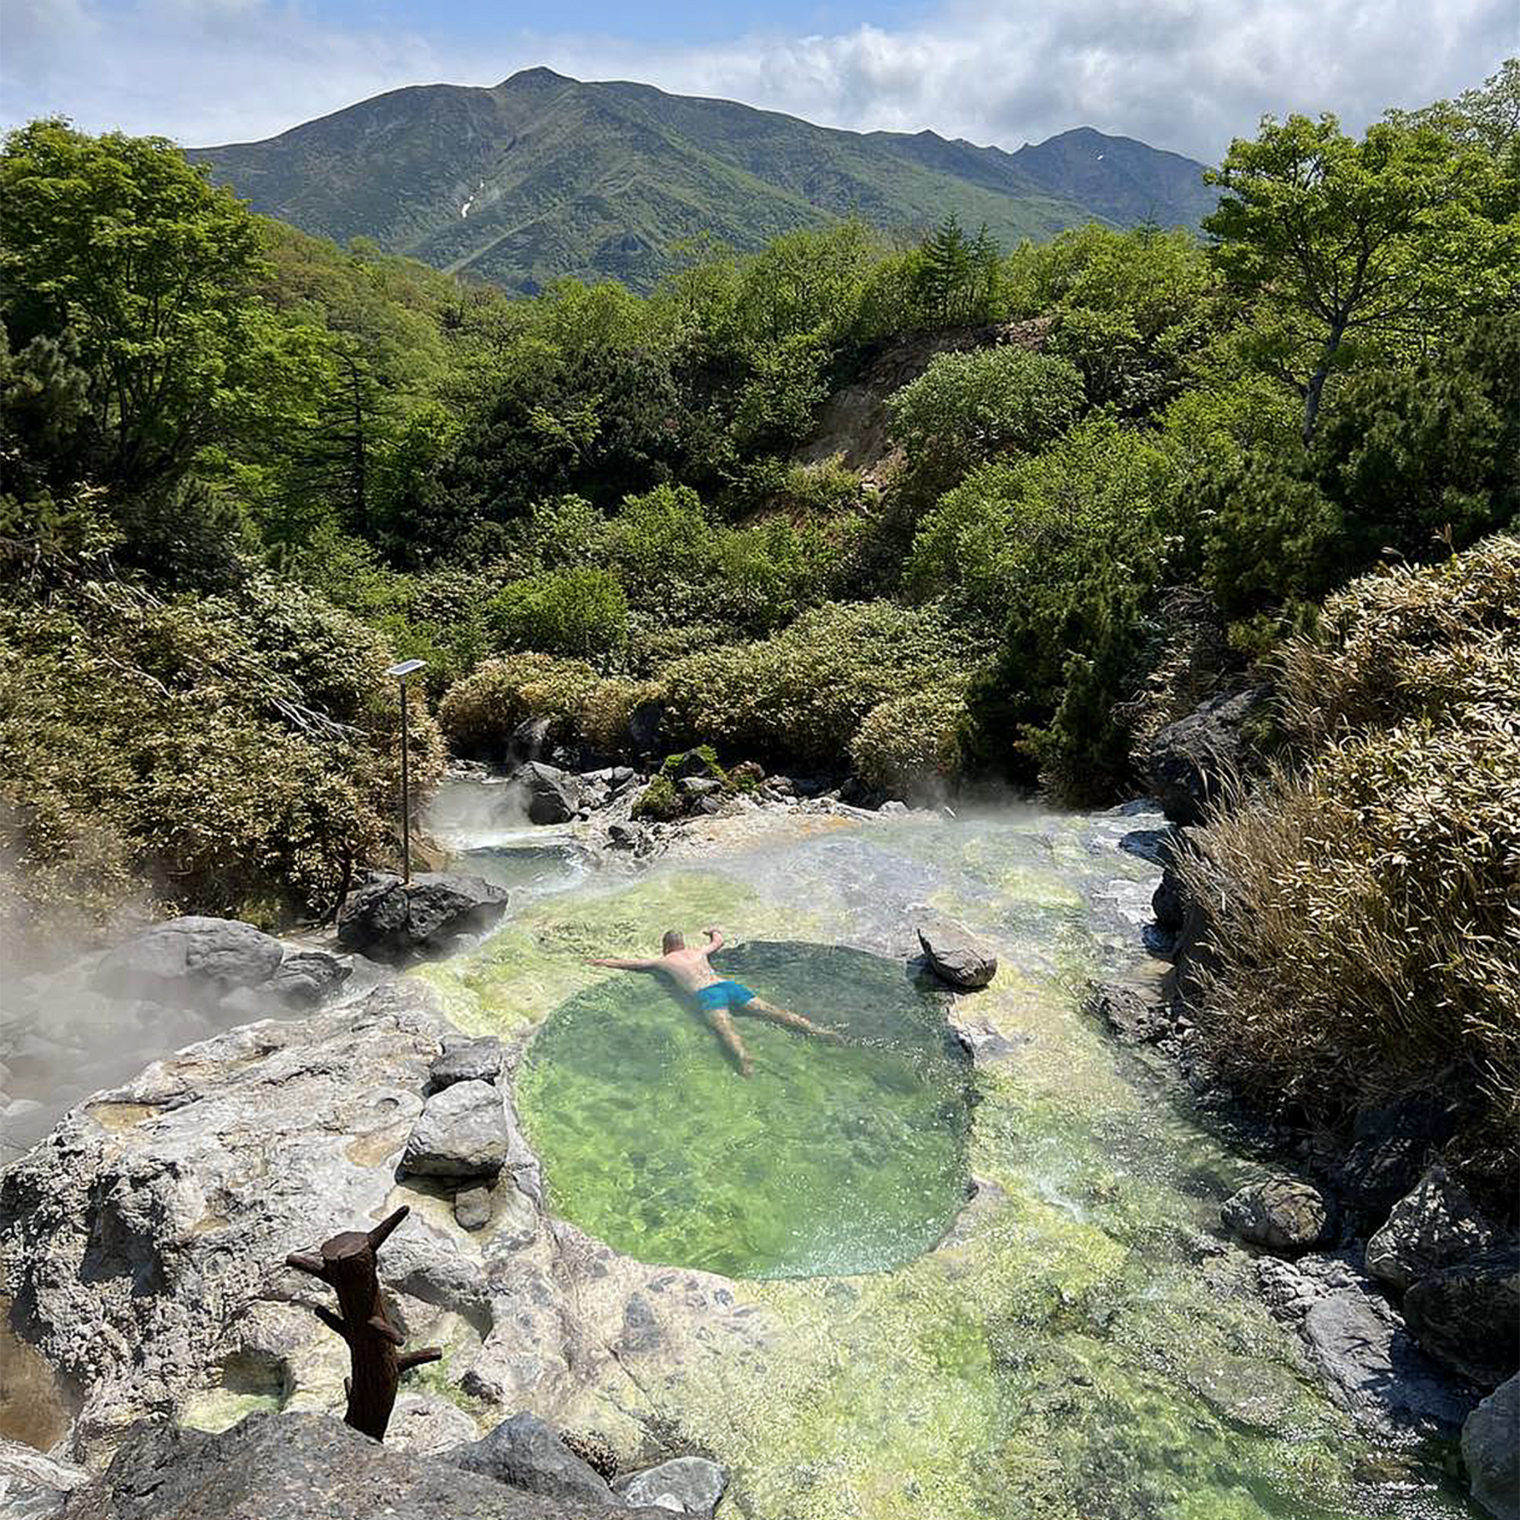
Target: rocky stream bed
{"x":1083,"y":1339}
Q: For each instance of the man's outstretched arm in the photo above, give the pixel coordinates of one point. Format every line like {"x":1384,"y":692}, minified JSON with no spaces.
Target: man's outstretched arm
{"x":616,"y":963}
{"x":714,"y":939}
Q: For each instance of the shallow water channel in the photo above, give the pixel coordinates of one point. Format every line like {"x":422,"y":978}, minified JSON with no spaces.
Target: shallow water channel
{"x":1077,"y":1343}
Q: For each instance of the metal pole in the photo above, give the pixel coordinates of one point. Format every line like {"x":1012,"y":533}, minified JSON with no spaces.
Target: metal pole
{"x":406,"y":799}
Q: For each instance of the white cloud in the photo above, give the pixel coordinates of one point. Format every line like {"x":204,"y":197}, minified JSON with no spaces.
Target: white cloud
{"x":1183,"y":74}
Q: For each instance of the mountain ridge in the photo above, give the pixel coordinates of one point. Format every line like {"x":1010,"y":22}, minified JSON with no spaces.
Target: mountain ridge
{"x":543,"y":176}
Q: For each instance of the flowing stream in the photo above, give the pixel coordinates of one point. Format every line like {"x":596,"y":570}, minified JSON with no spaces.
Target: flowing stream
{"x":1082,"y":1345}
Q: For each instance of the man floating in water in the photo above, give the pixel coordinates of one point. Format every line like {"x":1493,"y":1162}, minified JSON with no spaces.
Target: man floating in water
{"x":717,"y":998}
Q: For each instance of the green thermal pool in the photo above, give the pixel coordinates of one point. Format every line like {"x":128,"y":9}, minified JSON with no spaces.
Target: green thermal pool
{"x":829,"y":1160}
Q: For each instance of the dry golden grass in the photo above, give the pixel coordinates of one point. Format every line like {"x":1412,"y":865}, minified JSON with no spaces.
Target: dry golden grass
{"x":1364,"y":902}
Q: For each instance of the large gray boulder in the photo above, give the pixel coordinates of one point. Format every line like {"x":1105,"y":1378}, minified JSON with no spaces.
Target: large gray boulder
{"x":1468,"y":1320}
{"x":1432,"y":1229}
{"x":1187,"y":763}
{"x":549,"y":794}
{"x":954,"y":955}
{"x":683,"y":1486}
{"x":300,"y":1467}
{"x":185,"y":953}
{"x":527,"y":1453}
{"x":389,"y":919}
{"x":1279,"y":1214}
{"x":1491,"y":1450}
{"x":462,"y":1132}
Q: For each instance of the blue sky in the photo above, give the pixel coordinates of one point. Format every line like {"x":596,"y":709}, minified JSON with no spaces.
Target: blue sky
{"x":1181,"y":74}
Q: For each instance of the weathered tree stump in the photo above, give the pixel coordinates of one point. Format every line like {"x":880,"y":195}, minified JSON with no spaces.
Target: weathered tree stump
{"x":346,"y":1263}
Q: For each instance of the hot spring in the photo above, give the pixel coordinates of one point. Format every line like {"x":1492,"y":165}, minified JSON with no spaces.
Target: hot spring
{"x":830,"y":1160}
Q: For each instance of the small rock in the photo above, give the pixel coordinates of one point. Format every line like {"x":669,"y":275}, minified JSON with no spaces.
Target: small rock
{"x":552,"y":795}
{"x":1135,"y":1018}
{"x":472,"y":1208}
{"x":699,"y":786}
{"x":1279,"y":1214}
{"x":1491,"y":1450}
{"x":626,"y":836}
{"x":462,"y":1132}
{"x":427,"y":1423}
{"x":306,"y":977}
{"x":1253,"y":1393}
{"x":955,"y":955}
{"x":526,"y":1453}
{"x":1169,"y":901}
{"x":465,"y":1061}
{"x":893,"y":807}
{"x":684,"y":1485}
{"x":33,"y":1486}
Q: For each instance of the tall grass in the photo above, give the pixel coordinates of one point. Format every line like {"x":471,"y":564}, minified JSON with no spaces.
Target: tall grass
{"x":1363,"y":900}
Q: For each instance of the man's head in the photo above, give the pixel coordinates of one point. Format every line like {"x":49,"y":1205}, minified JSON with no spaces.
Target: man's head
{"x":672,"y":941}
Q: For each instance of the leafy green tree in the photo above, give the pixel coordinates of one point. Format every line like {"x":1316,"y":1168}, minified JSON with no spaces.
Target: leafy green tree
{"x":564,"y":612}
{"x":121,"y":242}
{"x":1386,"y":240}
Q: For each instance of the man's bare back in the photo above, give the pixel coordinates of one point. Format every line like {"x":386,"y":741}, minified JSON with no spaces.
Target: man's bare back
{"x":717,"y":998}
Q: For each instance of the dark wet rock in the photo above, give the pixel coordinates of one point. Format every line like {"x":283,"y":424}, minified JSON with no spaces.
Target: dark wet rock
{"x":1169,"y":902}
{"x":1433,"y":1228}
{"x":1491,"y":1451}
{"x":308,"y":977}
{"x":954,"y":955}
{"x":34,"y":1486}
{"x":221,"y":953}
{"x":693,"y":764}
{"x":1186,"y":764}
{"x":461,"y":1132}
{"x":532,"y":737}
{"x":627,"y":836}
{"x":1373,"y":1367}
{"x":527,"y":1454}
{"x":1245,"y":1390}
{"x":466,"y":1061}
{"x":389,"y":919}
{"x":684,"y":1486}
{"x":472,"y":1208}
{"x":1279,"y":1214}
{"x":300,"y":1467}
{"x":1391,"y":1147}
{"x":644,"y":725}
{"x":1135,"y":1018}
{"x":1467,"y":1320}
{"x":551,"y":795}
{"x":1150,"y":845}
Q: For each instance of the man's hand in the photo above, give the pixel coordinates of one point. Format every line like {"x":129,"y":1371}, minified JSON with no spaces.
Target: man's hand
{"x":713,"y":933}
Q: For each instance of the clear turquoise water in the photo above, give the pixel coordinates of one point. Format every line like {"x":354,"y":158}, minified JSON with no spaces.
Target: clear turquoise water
{"x":829,"y":1160}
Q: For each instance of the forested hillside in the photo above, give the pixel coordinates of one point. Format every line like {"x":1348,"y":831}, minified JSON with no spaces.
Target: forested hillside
{"x":242,"y":469}
{"x":543,"y":177}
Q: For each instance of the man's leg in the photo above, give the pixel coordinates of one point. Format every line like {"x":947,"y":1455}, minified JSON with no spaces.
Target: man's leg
{"x":759,"y":1008}
{"x":723,"y":1026}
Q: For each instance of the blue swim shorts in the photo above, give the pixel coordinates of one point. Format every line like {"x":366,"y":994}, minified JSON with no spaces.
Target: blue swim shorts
{"x":723,"y":995}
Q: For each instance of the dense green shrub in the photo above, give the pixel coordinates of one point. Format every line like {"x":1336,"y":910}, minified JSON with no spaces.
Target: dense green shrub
{"x":479,"y":713}
{"x":235,"y":756}
{"x":1362,"y":906}
{"x":567,"y":612}
{"x":604,"y":714}
{"x":968,"y":407}
{"x":802,"y":693}
{"x":910,"y":745}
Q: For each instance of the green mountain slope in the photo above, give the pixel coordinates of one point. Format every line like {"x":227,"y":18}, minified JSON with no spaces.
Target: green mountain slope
{"x":544,"y":176}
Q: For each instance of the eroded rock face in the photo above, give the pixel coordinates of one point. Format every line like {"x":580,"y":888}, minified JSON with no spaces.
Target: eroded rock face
{"x":1467,"y":1319}
{"x":144,"y":1243}
{"x":33,"y":1486}
{"x":299,"y":1467}
{"x":1491,"y":1450}
{"x":391,"y":920}
{"x":954,"y":955}
{"x":1279,"y":1214}
{"x":1433,"y":1228}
